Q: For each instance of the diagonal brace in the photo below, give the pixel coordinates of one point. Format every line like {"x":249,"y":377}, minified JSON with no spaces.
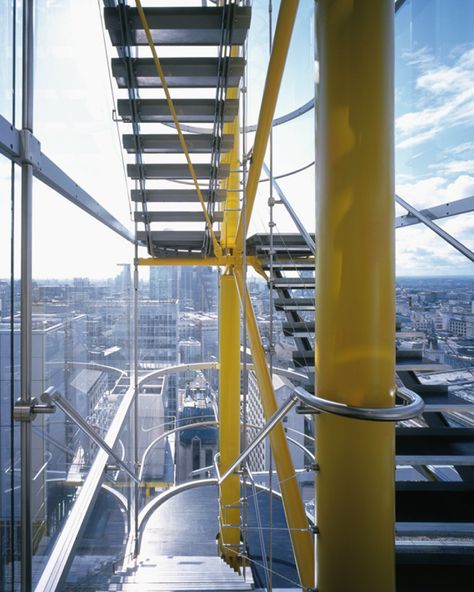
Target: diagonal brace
{"x":435,"y":228}
{"x":51,"y":395}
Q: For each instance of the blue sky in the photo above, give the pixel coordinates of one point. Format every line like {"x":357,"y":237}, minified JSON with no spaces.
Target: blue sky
{"x":434,"y":127}
{"x":434,"y":131}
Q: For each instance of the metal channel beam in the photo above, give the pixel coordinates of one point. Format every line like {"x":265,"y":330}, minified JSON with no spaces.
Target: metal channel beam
{"x":435,"y":228}
{"x":446,"y":210}
{"x":53,"y":176}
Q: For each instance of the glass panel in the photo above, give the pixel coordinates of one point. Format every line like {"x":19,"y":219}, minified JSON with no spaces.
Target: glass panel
{"x":7,"y":21}
{"x":434,"y":128}
{"x":82,"y":314}
{"x":73,"y":100}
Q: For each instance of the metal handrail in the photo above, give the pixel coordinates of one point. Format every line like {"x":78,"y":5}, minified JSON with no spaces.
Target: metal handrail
{"x":414,"y":407}
{"x":267,"y":428}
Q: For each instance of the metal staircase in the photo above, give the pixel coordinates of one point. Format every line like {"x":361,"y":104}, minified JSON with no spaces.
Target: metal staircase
{"x":434,"y":517}
{"x":188,"y":29}
{"x":183,"y":573}
{"x":435,"y":521}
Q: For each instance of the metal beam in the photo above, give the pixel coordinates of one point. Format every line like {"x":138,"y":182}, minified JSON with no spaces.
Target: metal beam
{"x":301,"y":538}
{"x":52,"y":395}
{"x":229,"y":412}
{"x":435,"y":228}
{"x":276,"y":66}
{"x":53,"y":176}
{"x":26,"y":293}
{"x":445,"y":210}
{"x":232,"y":183}
{"x":274,"y":420}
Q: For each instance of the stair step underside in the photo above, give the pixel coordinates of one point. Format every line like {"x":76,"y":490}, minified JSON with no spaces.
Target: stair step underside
{"x":176,"y":240}
{"x":176,"y":216}
{"x":299,"y":328}
{"x":179,"y":72}
{"x":176,"y":171}
{"x":187,"y":110}
{"x":288,"y":264}
{"x":170,"y":143}
{"x":176,"y":195}
{"x":294,"y":283}
{"x":177,"y":25}
{"x":294,"y":304}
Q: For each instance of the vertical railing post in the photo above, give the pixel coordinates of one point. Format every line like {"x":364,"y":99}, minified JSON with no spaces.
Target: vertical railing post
{"x":229,"y":414}
{"x":135,"y":509}
{"x":355,"y":297}
{"x":26,"y":296}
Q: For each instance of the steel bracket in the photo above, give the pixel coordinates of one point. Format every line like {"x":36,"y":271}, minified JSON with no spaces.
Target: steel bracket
{"x":23,"y":411}
{"x":30,"y":148}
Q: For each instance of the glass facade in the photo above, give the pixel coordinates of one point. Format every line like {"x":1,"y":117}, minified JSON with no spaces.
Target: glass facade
{"x":107,"y":335}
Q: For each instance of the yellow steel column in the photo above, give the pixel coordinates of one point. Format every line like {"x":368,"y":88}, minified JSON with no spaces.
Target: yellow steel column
{"x":229,"y":413}
{"x":232,"y":183}
{"x":355,"y":299}
{"x":301,"y":538}
{"x":276,"y":66}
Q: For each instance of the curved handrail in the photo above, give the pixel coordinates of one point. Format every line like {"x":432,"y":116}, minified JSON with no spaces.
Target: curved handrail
{"x":192,"y":129}
{"x":414,"y":407}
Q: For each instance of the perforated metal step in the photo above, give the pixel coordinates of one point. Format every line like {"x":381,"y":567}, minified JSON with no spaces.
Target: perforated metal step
{"x":177,"y":171}
{"x":170,"y":143}
{"x":176,"y":216}
{"x":178,"y":25}
{"x":179,"y":72}
{"x":187,"y":110}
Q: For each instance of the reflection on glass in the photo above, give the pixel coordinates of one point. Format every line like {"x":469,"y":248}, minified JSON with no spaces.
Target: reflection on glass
{"x":434,"y":127}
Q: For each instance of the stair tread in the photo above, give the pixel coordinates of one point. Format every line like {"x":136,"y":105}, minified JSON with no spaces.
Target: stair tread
{"x":170,"y":143}
{"x":177,"y":25}
{"x":176,"y":195}
{"x":187,"y":110}
{"x":186,"y":72}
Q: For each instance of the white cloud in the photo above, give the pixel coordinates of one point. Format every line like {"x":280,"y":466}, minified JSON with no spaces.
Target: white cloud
{"x":435,"y":190}
{"x":446,"y":98}
{"x":419,"y":250}
{"x":455,"y":166}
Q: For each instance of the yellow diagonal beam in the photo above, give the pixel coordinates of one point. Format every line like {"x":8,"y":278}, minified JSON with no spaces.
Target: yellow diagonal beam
{"x":301,"y":538}
{"x":141,"y":13}
{"x":276,"y":66}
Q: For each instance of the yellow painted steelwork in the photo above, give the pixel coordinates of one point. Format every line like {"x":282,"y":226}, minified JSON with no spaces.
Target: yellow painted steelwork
{"x":301,"y":538}
{"x":156,"y":60}
{"x":232,"y":183}
{"x":224,"y":261}
{"x":355,"y":297}
{"x":184,"y":261}
{"x":281,"y":43}
{"x":229,"y":414}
